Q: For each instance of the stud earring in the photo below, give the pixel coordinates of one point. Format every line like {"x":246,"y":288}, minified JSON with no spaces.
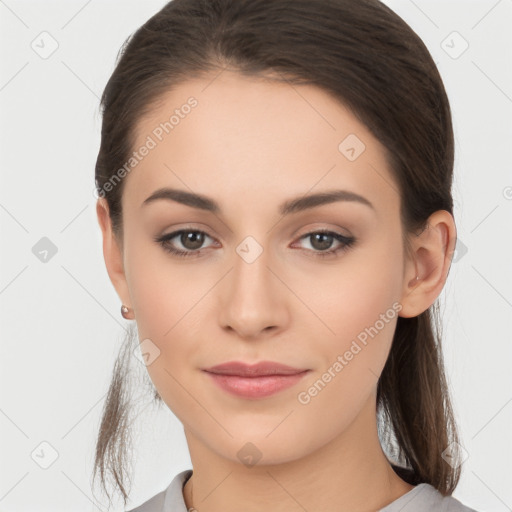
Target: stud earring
{"x":125,"y":311}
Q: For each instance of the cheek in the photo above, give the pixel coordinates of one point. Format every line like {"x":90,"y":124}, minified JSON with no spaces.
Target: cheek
{"x":160,"y":292}
{"x":351,"y":296}
{"x":352,"y":363}
{"x":166,"y":309}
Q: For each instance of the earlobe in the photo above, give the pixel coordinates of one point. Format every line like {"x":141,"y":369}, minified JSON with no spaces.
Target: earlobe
{"x":112,"y":252}
{"x":429,"y":259}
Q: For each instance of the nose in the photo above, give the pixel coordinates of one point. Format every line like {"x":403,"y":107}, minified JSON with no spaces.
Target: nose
{"x":253,"y":299}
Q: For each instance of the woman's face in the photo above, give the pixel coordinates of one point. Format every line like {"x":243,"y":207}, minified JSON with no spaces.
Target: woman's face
{"x":256,"y":286}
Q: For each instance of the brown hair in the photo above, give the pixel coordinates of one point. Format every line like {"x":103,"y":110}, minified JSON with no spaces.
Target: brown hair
{"x":365,"y":55}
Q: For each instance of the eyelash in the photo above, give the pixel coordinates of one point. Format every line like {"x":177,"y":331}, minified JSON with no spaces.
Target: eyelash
{"x":347,"y":242}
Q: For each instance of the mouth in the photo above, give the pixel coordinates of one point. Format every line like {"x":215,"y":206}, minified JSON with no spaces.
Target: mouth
{"x":255,"y":381}
{"x":260,"y":369}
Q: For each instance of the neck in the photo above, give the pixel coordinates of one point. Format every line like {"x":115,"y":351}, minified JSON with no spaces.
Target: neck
{"x":350,"y":473}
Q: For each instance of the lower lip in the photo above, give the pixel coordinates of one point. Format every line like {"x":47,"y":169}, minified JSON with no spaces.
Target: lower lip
{"x":255,"y":387}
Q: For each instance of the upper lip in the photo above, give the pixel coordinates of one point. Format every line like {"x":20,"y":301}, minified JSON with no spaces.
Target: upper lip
{"x":254,"y":370}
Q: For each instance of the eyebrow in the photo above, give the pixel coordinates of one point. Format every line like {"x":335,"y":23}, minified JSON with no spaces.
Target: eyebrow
{"x":290,"y":206}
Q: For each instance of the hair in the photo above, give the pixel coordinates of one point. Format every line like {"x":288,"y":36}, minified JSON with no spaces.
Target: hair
{"x":371,"y":61}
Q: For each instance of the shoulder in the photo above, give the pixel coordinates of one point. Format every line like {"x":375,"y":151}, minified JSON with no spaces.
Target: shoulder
{"x":426,"y":498}
{"x":170,"y":498}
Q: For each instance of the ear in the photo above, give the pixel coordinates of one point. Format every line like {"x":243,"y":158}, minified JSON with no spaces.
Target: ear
{"x":112,"y":253}
{"x":429,"y":257}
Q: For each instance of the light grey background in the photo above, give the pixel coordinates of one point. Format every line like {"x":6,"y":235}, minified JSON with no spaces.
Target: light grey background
{"x":60,"y":320}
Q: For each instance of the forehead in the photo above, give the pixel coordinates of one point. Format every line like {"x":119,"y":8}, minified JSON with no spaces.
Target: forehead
{"x":236,"y":137}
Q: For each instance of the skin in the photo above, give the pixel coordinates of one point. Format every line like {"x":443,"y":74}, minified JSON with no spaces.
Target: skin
{"x":289,"y":305}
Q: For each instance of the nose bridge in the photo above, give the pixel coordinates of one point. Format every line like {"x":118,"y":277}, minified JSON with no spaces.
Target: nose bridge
{"x":252,"y":301}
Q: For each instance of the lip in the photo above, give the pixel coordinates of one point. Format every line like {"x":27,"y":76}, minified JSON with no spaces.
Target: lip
{"x":254,"y":370}
{"x":254,"y":381}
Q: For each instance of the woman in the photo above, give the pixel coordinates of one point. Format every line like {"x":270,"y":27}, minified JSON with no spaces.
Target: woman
{"x":274,"y":184}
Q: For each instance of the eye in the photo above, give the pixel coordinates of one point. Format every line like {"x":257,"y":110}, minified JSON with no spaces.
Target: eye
{"x":323,"y":239}
{"x":192,"y":240}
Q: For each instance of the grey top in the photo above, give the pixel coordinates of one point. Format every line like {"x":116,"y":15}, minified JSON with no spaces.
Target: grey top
{"x":423,"y":498}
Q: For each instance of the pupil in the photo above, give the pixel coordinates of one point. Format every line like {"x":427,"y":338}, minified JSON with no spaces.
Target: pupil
{"x":196,"y":240}
{"x":326,"y":241}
